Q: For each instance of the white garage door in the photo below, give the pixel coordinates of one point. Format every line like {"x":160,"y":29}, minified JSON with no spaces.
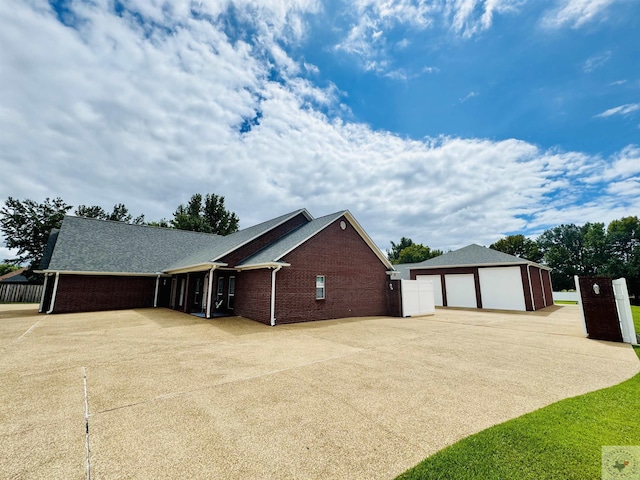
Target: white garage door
{"x":461,"y":290}
{"x":437,"y":287}
{"x":501,"y":288}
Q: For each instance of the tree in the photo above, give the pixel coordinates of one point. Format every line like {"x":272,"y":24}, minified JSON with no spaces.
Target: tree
{"x":623,"y":242}
{"x":7,"y":268}
{"x":572,"y":250}
{"x":120,"y":213}
{"x":26,"y":226}
{"x":394,"y":254}
{"x":209,"y":217}
{"x":519,"y":246}
{"x":417,"y":252}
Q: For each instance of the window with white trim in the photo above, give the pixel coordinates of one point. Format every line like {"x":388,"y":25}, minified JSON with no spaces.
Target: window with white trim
{"x":320,"y":287}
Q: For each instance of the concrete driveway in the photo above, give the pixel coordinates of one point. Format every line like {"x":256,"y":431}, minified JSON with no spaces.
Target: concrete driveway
{"x":175,"y":396}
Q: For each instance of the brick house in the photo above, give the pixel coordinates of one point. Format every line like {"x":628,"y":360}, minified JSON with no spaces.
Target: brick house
{"x":292,"y":268}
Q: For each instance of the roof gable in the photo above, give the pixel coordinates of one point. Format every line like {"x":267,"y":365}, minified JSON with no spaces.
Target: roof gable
{"x":273,"y":254}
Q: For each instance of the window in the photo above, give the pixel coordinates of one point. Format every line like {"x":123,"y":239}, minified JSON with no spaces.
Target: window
{"x":320,"y":287}
{"x":220,"y":292}
{"x":232,"y":292}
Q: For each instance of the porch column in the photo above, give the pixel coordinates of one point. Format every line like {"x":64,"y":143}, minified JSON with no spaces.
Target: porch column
{"x":209,"y":291}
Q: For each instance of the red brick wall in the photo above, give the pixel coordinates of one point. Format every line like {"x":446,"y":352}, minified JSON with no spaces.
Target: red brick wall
{"x":355,"y":278}
{"x":252,"y":247}
{"x":87,"y":293}
{"x":253,"y":295}
{"x":536,"y":284}
{"x":546,"y":285}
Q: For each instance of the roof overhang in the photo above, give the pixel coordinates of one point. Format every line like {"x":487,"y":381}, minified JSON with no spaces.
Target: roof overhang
{"x":199,"y":267}
{"x":108,"y":274}
{"x":256,"y":266}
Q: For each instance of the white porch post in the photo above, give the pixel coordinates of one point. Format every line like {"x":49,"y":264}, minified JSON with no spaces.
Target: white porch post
{"x":209,"y":291}
{"x":44,"y":289}
{"x":155,"y":295}
{"x":55,"y":291}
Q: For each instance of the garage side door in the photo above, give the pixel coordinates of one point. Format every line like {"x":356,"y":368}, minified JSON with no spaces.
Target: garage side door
{"x":461,"y":290}
{"x":501,"y":288}
{"x":437,"y":287}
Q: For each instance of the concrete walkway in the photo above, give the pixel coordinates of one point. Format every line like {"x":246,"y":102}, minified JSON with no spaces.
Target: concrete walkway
{"x":174,"y":396}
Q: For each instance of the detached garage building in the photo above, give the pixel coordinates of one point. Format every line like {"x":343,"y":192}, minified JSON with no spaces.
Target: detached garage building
{"x":479,"y":277}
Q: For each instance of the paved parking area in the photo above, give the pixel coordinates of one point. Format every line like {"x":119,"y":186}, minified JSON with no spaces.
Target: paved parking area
{"x":175,"y":396}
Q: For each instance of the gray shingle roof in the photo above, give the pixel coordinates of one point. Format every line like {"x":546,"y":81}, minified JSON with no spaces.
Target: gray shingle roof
{"x":90,"y":245}
{"x":472,"y":255}
{"x":275,"y":251}
{"x":228,"y":243}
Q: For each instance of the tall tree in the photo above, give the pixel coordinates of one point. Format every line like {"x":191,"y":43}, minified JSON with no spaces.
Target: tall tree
{"x":26,"y":225}
{"x":520,"y":246}
{"x":120,"y":213}
{"x":623,"y":241}
{"x":417,"y":253}
{"x":394,"y":254}
{"x":210,"y":216}
{"x":573,"y":250}
{"x":7,"y":268}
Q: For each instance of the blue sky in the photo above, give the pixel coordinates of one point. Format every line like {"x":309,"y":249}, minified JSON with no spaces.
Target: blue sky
{"x":446,"y":121}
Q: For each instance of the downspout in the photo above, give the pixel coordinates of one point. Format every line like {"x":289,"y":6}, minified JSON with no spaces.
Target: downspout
{"x":44,"y":290}
{"x":533,"y":302}
{"x":55,"y":292}
{"x":155,"y":295}
{"x":273,"y":294}
{"x":209,"y":291}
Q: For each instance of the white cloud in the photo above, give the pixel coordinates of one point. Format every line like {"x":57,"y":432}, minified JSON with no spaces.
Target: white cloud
{"x":576,"y":13}
{"x":595,"y":62}
{"x":124,"y":112}
{"x":469,"y":96}
{"x":372,"y":19}
{"x":620,"y":110}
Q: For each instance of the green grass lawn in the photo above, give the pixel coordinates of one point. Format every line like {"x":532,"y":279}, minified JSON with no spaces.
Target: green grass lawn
{"x":564,"y":302}
{"x":635,"y":311}
{"x":560,"y":441}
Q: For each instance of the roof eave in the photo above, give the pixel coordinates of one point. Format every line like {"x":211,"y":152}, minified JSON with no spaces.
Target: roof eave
{"x":108,"y":274}
{"x":198,"y":267}
{"x":256,"y":266}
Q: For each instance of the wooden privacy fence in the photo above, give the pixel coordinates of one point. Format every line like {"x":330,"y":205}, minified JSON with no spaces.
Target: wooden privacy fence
{"x":20,"y":293}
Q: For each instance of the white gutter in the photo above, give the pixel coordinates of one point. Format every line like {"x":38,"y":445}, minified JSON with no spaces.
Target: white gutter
{"x":44,"y":289}
{"x":155,"y":295}
{"x":209,"y":292}
{"x":273,"y":294}
{"x":533,"y":302}
{"x":55,"y":292}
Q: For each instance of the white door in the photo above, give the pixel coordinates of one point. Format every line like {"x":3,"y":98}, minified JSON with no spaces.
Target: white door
{"x":417,"y":298}
{"x":501,"y":288}
{"x":461,"y":290}
{"x":437,"y":287}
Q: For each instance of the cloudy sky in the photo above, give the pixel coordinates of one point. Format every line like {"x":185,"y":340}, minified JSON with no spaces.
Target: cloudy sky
{"x":446,"y":121}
